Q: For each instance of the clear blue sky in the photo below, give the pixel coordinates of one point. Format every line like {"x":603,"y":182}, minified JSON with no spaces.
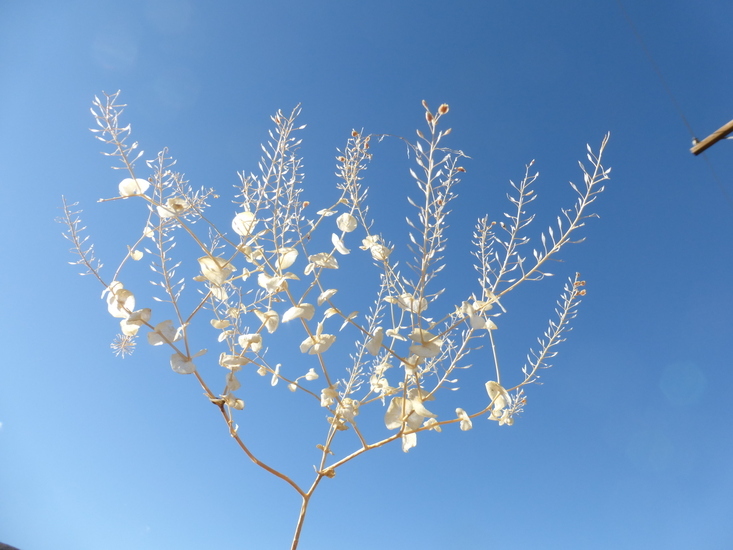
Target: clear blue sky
{"x":629,"y":442}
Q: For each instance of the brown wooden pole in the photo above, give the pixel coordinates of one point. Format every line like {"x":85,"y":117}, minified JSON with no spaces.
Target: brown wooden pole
{"x":712,"y":139}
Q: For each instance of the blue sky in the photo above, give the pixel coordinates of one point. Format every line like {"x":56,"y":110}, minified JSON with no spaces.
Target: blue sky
{"x":628,"y":442}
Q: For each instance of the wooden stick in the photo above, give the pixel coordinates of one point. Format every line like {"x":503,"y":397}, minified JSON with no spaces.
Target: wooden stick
{"x":699,"y":146}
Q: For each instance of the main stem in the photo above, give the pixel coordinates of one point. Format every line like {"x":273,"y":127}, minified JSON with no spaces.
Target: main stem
{"x":304,"y":507}
{"x":301,"y":519}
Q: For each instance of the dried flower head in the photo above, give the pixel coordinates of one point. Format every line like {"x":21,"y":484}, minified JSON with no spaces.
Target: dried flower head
{"x":409,"y":348}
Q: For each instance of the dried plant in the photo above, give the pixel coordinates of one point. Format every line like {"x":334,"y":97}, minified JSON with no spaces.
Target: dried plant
{"x":269,"y":266}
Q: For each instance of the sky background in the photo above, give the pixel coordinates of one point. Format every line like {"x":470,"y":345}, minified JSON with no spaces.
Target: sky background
{"x":629,"y":441}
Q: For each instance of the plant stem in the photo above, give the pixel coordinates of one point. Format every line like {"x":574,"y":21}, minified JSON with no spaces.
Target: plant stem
{"x":301,"y":519}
